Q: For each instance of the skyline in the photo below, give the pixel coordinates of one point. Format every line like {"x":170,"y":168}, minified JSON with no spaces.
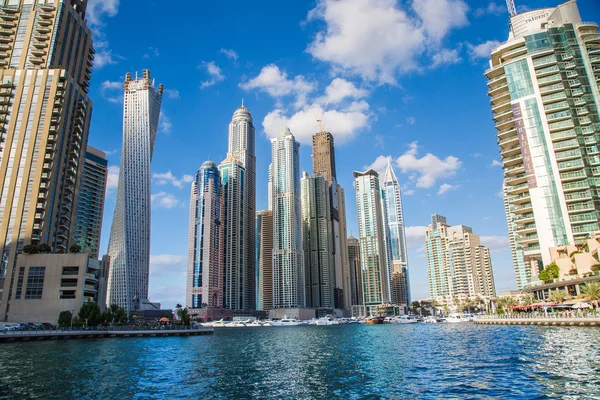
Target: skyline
{"x":301,"y":76}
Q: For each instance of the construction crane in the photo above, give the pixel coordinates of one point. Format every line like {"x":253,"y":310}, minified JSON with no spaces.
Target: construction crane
{"x":512,"y":9}
{"x":320,"y":120}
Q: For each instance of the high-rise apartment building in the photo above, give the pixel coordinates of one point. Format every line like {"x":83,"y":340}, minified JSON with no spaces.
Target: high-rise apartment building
{"x":544,"y":88}
{"x":371,"y":232}
{"x":237,"y":281}
{"x":458,"y":265}
{"x":317,"y":242}
{"x":356,"y":292}
{"x":46,"y":57}
{"x":129,"y":244}
{"x":522,"y":269}
{"x":399,"y":285}
{"x":324,"y":156}
{"x":90,"y":205}
{"x":264,"y":260}
{"x":205,"y":238}
{"x":242,"y":148}
{"x":288,"y":263}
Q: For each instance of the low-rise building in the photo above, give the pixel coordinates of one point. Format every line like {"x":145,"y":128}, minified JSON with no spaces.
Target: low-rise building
{"x":46,"y":284}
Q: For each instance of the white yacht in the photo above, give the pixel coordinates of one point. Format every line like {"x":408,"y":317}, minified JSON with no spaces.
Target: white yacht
{"x":430,"y":320}
{"x":254,"y":323}
{"x":403,"y":319}
{"x":286,"y":321}
{"x":326,"y":320}
{"x":455,"y":318}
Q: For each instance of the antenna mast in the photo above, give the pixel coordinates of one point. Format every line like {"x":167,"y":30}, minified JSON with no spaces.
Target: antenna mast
{"x":512,"y":9}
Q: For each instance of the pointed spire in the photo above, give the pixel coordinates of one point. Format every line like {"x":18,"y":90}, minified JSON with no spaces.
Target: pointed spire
{"x":390,"y":175}
{"x":242,"y":102}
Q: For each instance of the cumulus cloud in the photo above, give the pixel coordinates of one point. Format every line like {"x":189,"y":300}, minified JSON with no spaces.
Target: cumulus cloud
{"x":446,"y":56}
{"x":172,"y":94}
{"x":428,"y":168}
{"x":340,"y":89}
{"x":482,"y":50}
{"x":164,"y":200}
{"x":229,"y":53}
{"x":164,"y":124}
{"x":496,"y":243}
{"x":445,"y":188}
{"x":215,"y":73}
{"x":112,"y":91}
{"x":415,"y":236}
{"x":495,"y":163}
{"x":167,"y":263}
{"x":152,"y":52}
{"x":276,"y":84}
{"x":95,"y":13}
{"x":491,"y":9}
{"x":380,"y":39}
{"x":411,"y":120}
{"x":167,"y":178}
{"x":112,"y":178}
{"x":348,"y":121}
{"x":379,"y":165}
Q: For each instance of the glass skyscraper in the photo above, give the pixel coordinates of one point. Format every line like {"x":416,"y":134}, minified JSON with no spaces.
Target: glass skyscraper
{"x":288,"y":263}
{"x":129,"y":244}
{"x":46,"y":59}
{"x":544,"y":88}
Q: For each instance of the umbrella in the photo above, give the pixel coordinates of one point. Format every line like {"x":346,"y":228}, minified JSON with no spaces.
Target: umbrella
{"x":163,"y":319}
{"x":582,"y":305}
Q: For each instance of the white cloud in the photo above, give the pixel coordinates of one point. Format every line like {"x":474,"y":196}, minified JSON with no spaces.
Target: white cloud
{"x":229,"y":53}
{"x":112,"y":179}
{"x":112,"y":91}
{"x":174,"y":263}
{"x":97,"y":8}
{"x":152,"y":52}
{"x":411,"y":120}
{"x":482,"y":50}
{"x":496,"y":243}
{"x":276,"y":83}
{"x":491,"y":9}
{"x":164,"y":123}
{"x":165,"y":200}
{"x":445,"y":188}
{"x":415,"y":236}
{"x":408,"y":192}
{"x":495,"y":163}
{"x":428,"y":168}
{"x":446,"y":56}
{"x":167,"y":178}
{"x":348,"y":122}
{"x":95,"y":13}
{"x":379,"y":141}
{"x":172,"y":94}
{"x":378,"y":39}
{"x":339,"y":89}
{"x":216,"y":75}
{"x":379,"y":165}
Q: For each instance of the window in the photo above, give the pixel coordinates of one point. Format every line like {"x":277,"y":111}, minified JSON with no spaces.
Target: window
{"x":68,"y":282}
{"x":67,"y":294}
{"x":20,"y":283}
{"x":70,"y":271}
{"x":35,"y":283}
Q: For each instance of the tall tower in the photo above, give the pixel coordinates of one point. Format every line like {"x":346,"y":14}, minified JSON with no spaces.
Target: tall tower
{"x":242,"y":148}
{"x":356,"y":291}
{"x":544,"y":83}
{"x":264,"y":259}
{"x":288,"y":264}
{"x":205,"y":240}
{"x":400,"y":289}
{"x":46,"y":58}
{"x":372,"y":239}
{"x":317,"y":242}
{"x":129,"y":244}
{"x":324,"y":156}
{"x":90,"y":206}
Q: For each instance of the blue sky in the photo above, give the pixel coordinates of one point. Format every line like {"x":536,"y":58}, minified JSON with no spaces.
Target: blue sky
{"x":402,"y":79}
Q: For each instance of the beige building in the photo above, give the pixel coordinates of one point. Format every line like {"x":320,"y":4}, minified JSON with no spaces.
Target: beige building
{"x":47,"y":284}
{"x":264,"y":254}
{"x":46,"y":57}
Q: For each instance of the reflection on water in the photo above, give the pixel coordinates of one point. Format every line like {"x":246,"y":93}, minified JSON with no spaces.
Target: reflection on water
{"x":389,"y":361}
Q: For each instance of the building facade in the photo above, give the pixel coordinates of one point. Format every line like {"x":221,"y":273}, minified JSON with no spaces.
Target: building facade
{"x":458,"y":265}
{"x":242,"y":148}
{"x":371,"y":232}
{"x":356,"y":292}
{"x":544,"y":88}
{"x":264,"y":260}
{"x":288,"y":262}
{"x":90,"y":205}
{"x":45,"y":70}
{"x":129,"y":244}
{"x":399,"y":285}
{"x":205,"y":240}
{"x":319,"y":267}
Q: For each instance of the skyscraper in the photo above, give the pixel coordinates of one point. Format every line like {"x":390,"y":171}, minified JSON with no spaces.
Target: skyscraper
{"x":90,"y":205}
{"x":237,"y":282}
{"x":317,"y":242}
{"x":372,"y":239}
{"x":45,"y":71}
{"x":356,"y":292}
{"x":458,"y":265}
{"x":205,"y":240}
{"x":324,"y":156}
{"x":129,"y":244}
{"x":399,"y":285}
{"x":544,"y":83}
{"x":522,"y":269}
{"x":288,"y":264}
{"x":242,"y":148}
{"x":264,"y":262}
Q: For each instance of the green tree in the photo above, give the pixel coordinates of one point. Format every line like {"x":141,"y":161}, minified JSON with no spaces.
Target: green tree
{"x":528,"y":299}
{"x":31,"y":249}
{"x":114,"y":308}
{"x":558,"y":296}
{"x":591,"y":291}
{"x":544,"y":276}
{"x":107,"y":317}
{"x":65,"y":318}
{"x":553,"y":270}
{"x":91,"y":312}
{"x":75,"y":248}
{"x":45,"y":248}
{"x":183,"y":316}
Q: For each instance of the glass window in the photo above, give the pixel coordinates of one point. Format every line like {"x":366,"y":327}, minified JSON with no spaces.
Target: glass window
{"x":518,"y":78}
{"x":35,"y":283}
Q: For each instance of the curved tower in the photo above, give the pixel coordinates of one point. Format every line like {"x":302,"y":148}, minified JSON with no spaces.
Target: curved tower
{"x":129,"y":244}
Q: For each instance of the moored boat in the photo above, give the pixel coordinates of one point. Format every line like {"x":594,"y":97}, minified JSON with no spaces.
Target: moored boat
{"x":374,"y":320}
{"x":286,"y":321}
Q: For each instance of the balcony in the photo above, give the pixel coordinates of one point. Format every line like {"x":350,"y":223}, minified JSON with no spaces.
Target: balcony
{"x":91,"y":277}
{"x":585,"y":121}
{"x":518,"y":189}
{"x":43,"y":29}
{"x":36,"y":60}
{"x":581,"y":101}
{"x":512,"y":171}
{"x":547,"y":71}
{"x":580,"y":207}
{"x":63,"y":234}
{"x":45,"y":176}
{"x":502,"y":107}
{"x":47,"y":166}
{"x":509,"y":142}
{"x":524,"y":219}
{"x":526,"y":229}
{"x":38,"y":52}
{"x":6,"y":32}
{"x":7,"y":24}
{"x":45,"y":22}
{"x":561,"y":125}
{"x":569,"y":154}
{"x":544,"y":61}
{"x":516,"y":180}
{"x":570,"y":65}
{"x":519,"y":51}
{"x":582,"y":111}
{"x":554,"y":97}
{"x":574,"y":186}
{"x":512,"y":160}
{"x":495,"y":81}
{"x":578,"y":196}
{"x":510,"y":151}
{"x":40,"y":45}
{"x":549,"y":79}
{"x":505,"y":124}
{"x":39,"y":216}
{"x":42,"y":196}
{"x":521,"y":199}
{"x":46,"y":15}
{"x":557,"y":87}
{"x":554,"y":107}
{"x":524,"y":239}
{"x":573,"y":176}
{"x":497,"y":90}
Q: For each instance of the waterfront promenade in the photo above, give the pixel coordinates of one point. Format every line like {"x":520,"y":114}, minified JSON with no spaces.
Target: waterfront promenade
{"x":540,"y":319}
{"x":102,"y":333}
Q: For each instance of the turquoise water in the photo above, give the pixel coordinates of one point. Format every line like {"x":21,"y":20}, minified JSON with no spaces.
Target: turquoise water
{"x":353,"y":361}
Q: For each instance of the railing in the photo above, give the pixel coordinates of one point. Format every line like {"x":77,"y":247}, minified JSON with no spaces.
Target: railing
{"x":549,"y":316}
{"x":104,"y":329}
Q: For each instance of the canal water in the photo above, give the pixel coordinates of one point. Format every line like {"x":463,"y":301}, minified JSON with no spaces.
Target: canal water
{"x":425,"y":361}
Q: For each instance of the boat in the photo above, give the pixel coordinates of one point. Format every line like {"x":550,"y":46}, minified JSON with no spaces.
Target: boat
{"x":254,"y":323}
{"x":219,"y":324}
{"x":286,"y":321}
{"x":326,"y":320}
{"x":235,"y":324}
{"x":430,"y":320}
{"x":375,"y":320}
{"x":455,"y":318}
{"x":403,"y":319}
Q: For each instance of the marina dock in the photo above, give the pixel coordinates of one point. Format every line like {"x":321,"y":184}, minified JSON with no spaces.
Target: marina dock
{"x":37,"y":335}
{"x":540,"y":321}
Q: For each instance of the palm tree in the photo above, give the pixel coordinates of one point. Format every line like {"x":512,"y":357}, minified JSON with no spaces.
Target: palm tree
{"x":528,"y":299}
{"x":591,"y":290}
{"x":558,"y":296}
